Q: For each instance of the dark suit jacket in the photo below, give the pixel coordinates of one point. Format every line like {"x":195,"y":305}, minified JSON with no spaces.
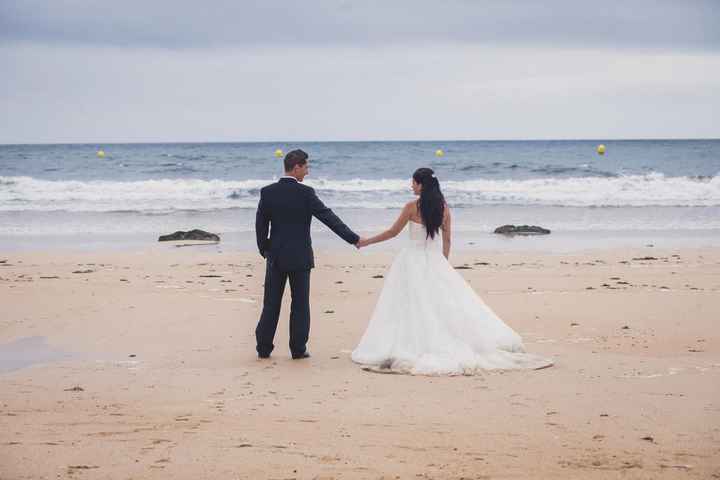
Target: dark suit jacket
{"x":286,"y":209}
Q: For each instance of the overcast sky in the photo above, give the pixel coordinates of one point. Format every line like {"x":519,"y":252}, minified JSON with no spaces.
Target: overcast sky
{"x":134,"y":71}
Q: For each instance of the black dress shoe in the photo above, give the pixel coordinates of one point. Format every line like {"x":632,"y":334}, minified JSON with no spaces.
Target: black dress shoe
{"x":299,"y":356}
{"x":263,"y":355}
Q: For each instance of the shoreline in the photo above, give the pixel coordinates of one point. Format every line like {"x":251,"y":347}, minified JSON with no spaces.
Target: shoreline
{"x":325,"y":241}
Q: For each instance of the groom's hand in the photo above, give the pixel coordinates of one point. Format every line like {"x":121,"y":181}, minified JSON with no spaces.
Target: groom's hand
{"x":362,"y":242}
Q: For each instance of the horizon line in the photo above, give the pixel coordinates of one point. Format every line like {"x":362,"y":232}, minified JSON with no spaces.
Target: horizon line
{"x":179,"y":142}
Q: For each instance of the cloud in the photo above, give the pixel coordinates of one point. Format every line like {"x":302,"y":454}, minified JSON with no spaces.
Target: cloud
{"x":99,"y":71}
{"x":106,"y":94}
{"x":639,"y":24}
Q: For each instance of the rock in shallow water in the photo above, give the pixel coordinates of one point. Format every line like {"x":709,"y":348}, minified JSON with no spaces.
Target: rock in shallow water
{"x":191,"y":235}
{"x":522,"y":230}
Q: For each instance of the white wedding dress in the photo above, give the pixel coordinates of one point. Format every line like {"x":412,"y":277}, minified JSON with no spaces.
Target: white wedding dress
{"x":429,"y":321}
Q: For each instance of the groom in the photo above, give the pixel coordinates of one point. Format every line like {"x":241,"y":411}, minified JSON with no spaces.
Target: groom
{"x":287,"y":208}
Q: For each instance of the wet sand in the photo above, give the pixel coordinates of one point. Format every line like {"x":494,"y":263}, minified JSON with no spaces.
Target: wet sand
{"x":161,"y":380}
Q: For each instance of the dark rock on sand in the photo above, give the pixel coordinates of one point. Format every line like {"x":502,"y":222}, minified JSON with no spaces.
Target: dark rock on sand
{"x":522,"y":230}
{"x":191,"y":235}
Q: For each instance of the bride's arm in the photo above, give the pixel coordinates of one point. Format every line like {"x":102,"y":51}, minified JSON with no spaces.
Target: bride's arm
{"x":394,"y":230}
{"x":447,"y":232}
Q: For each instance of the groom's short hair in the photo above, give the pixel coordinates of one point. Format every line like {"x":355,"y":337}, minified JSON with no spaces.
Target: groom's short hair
{"x":295,"y":157}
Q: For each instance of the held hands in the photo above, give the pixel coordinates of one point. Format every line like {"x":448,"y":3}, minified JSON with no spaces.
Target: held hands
{"x":363,"y":242}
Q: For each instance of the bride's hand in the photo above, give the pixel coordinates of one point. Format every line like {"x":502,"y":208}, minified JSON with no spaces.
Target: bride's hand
{"x":361,"y":243}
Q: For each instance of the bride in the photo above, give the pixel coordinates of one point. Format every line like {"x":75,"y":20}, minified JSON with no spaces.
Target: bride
{"x":428,"y":320}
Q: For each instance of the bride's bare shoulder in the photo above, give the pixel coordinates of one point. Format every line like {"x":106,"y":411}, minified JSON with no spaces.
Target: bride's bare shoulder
{"x":411,"y":206}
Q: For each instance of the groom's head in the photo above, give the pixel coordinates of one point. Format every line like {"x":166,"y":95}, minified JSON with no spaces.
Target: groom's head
{"x":296,"y":164}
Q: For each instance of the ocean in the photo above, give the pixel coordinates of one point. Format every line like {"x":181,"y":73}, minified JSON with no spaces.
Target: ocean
{"x":639,"y":191}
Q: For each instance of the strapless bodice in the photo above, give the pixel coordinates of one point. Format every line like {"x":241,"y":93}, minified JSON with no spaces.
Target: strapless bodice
{"x":419,"y":239}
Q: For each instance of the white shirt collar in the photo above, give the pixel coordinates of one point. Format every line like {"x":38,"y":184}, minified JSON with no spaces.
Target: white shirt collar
{"x":288,"y":176}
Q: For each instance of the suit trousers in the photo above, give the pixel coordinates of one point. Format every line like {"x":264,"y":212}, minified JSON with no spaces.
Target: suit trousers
{"x":275,"y":280}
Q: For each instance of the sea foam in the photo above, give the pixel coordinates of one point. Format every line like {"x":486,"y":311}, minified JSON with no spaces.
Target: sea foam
{"x":157,"y":196}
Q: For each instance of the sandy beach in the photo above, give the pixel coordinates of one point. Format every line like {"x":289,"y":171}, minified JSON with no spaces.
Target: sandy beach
{"x":150,"y":371}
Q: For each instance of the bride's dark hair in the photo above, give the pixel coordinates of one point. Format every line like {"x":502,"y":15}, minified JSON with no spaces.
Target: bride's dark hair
{"x":432,"y":202}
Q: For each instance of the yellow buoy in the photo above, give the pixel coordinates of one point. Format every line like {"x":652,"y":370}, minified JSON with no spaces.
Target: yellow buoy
{"x":278,"y":153}
{"x":439,"y":152}
{"x":601,"y":149}
{"x":101,"y":153}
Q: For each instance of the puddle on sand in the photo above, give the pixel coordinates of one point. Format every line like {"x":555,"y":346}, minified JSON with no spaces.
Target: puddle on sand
{"x":28,"y":351}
